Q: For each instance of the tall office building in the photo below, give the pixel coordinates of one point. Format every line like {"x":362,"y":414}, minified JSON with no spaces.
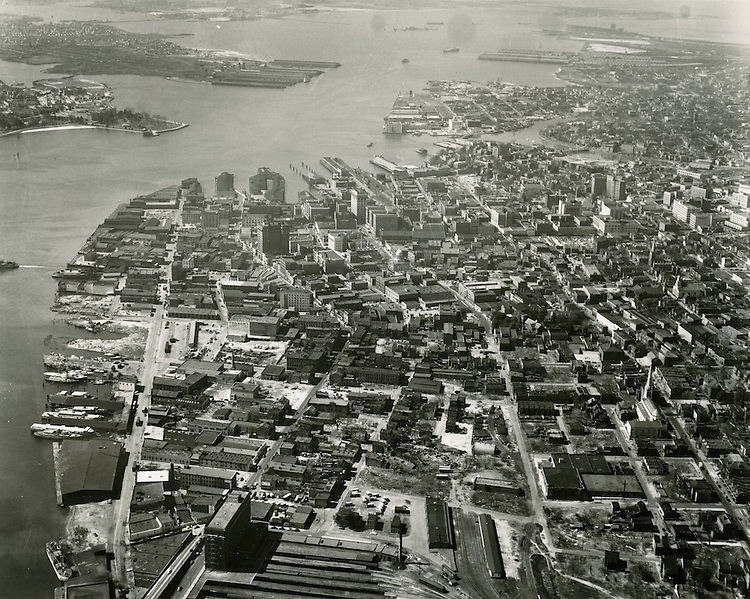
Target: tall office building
{"x":229,"y":525}
{"x":359,"y":201}
{"x":269,"y":183}
{"x":225,"y":185}
{"x":616,"y":188}
{"x":598,"y":185}
{"x":191,"y":186}
{"x":273,"y":238}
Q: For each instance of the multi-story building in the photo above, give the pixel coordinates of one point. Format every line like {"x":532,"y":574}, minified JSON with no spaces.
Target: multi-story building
{"x":295,"y":297}
{"x":384,"y":222}
{"x":210,"y":218}
{"x":269,"y":184}
{"x":700,"y":219}
{"x":613,"y":226}
{"x":231,"y":460}
{"x":226,"y":530}
{"x":203,"y":476}
{"x":681,"y":210}
{"x":739,"y":220}
{"x":598,"y":185}
{"x":273,"y":238}
{"x":616,"y":188}
{"x":359,"y":203}
{"x":337,"y":241}
{"x":225,"y":185}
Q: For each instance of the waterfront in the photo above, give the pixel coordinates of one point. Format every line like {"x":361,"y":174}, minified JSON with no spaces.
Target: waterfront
{"x":28,"y":510}
{"x":56,"y":187}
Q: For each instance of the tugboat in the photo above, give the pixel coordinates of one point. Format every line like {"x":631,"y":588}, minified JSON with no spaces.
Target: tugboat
{"x":56,"y":558}
{"x":8,"y":265}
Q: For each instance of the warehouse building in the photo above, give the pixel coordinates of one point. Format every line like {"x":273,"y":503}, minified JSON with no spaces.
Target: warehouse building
{"x":492,"y":554}
{"x":289,"y":565}
{"x":439,"y":524}
{"x":91,"y":470}
{"x":230,"y":530}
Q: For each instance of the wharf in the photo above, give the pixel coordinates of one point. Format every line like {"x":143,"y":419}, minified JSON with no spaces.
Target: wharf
{"x":305,"y":64}
{"x":260,"y":77}
{"x":250,"y":83}
{"x":57,"y":467}
{"x":335,"y":165}
{"x":528,"y":56}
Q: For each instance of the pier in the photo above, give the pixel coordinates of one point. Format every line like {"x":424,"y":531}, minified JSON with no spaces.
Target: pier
{"x":302,"y":64}
{"x":529,"y":56}
{"x":58,"y":472}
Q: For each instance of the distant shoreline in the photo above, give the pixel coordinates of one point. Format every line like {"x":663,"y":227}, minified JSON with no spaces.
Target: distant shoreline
{"x":177,"y":127}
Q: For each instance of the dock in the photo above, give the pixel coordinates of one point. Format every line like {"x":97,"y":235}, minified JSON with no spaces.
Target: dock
{"x":387,"y":165}
{"x":57,"y":467}
{"x":305,"y":64}
{"x":335,"y":165}
{"x":529,"y":56}
{"x":274,"y":74}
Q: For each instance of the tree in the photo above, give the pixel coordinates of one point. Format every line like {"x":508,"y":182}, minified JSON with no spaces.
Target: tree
{"x":80,"y":533}
{"x":346,"y":517}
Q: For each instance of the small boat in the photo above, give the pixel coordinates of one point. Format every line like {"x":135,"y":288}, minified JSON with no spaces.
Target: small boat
{"x":8,"y":265}
{"x":150,"y":133}
{"x":451,"y":50}
{"x":370,"y":144}
{"x":422,"y":151}
{"x":404,"y":60}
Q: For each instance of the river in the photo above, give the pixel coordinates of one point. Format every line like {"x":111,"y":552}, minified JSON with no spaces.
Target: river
{"x":56,"y":187}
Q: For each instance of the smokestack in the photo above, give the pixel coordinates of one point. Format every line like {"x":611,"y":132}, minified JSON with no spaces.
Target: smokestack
{"x":400,"y":544}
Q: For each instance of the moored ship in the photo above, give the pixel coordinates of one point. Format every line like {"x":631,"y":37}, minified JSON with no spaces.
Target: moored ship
{"x":56,"y":558}
{"x":60,"y":432}
{"x":70,"y":413}
{"x":71,"y":376}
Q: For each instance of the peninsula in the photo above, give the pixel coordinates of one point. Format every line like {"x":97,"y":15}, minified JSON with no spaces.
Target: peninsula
{"x":341,"y":393}
{"x":68,"y":103}
{"x":96,"y":48}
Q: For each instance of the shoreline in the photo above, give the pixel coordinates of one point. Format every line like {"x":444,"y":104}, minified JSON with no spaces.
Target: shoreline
{"x":177,"y":127}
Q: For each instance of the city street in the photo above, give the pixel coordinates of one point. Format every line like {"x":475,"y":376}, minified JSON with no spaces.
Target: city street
{"x":133,"y":445}
{"x":635,"y":461}
{"x":713,"y":477}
